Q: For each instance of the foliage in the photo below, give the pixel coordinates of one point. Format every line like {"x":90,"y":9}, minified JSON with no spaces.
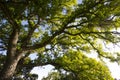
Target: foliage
{"x":51,"y":27}
{"x":53,"y":76}
{"x":28,"y":77}
{"x":77,"y":66}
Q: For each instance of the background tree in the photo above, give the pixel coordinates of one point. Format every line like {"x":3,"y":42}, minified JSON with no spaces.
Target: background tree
{"x":52,"y":76}
{"x":74,"y":65}
{"x":26,"y":77}
{"x":52,"y":27}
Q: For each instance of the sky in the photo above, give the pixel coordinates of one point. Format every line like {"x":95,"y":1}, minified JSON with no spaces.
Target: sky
{"x":42,"y":71}
{"x":113,"y":66}
{"x":115,"y":69}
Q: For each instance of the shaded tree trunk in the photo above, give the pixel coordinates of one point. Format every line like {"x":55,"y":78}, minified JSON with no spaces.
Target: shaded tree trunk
{"x":9,"y":68}
{"x":12,"y":58}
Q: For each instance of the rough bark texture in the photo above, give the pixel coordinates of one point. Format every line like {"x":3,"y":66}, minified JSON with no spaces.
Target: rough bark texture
{"x":9,"y":68}
{"x":13,"y":57}
{"x":13,"y":54}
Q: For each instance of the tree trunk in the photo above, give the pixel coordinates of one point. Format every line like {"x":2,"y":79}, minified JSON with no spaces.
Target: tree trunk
{"x":13,"y":55}
{"x":9,"y":68}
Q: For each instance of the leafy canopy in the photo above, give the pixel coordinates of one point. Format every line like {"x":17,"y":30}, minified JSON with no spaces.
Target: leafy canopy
{"x":75,"y":65}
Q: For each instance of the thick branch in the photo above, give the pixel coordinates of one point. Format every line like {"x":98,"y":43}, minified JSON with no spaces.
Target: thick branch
{"x":65,"y":23}
{"x":14,"y":2}
{"x":91,"y":32}
{"x":27,"y":38}
{"x":8,"y":15}
{"x":15,"y":30}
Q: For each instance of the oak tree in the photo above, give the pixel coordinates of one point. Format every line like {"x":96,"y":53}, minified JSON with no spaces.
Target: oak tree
{"x":53,"y":26}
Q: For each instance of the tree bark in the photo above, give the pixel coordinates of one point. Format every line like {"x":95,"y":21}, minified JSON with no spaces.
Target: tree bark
{"x":9,"y":68}
{"x":12,"y":58}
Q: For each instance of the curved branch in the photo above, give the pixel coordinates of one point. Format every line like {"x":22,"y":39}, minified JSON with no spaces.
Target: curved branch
{"x":64,"y":26}
{"x":97,"y":50}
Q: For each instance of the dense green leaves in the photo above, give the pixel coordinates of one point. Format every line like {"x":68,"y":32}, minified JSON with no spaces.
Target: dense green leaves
{"x":80,"y":67}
